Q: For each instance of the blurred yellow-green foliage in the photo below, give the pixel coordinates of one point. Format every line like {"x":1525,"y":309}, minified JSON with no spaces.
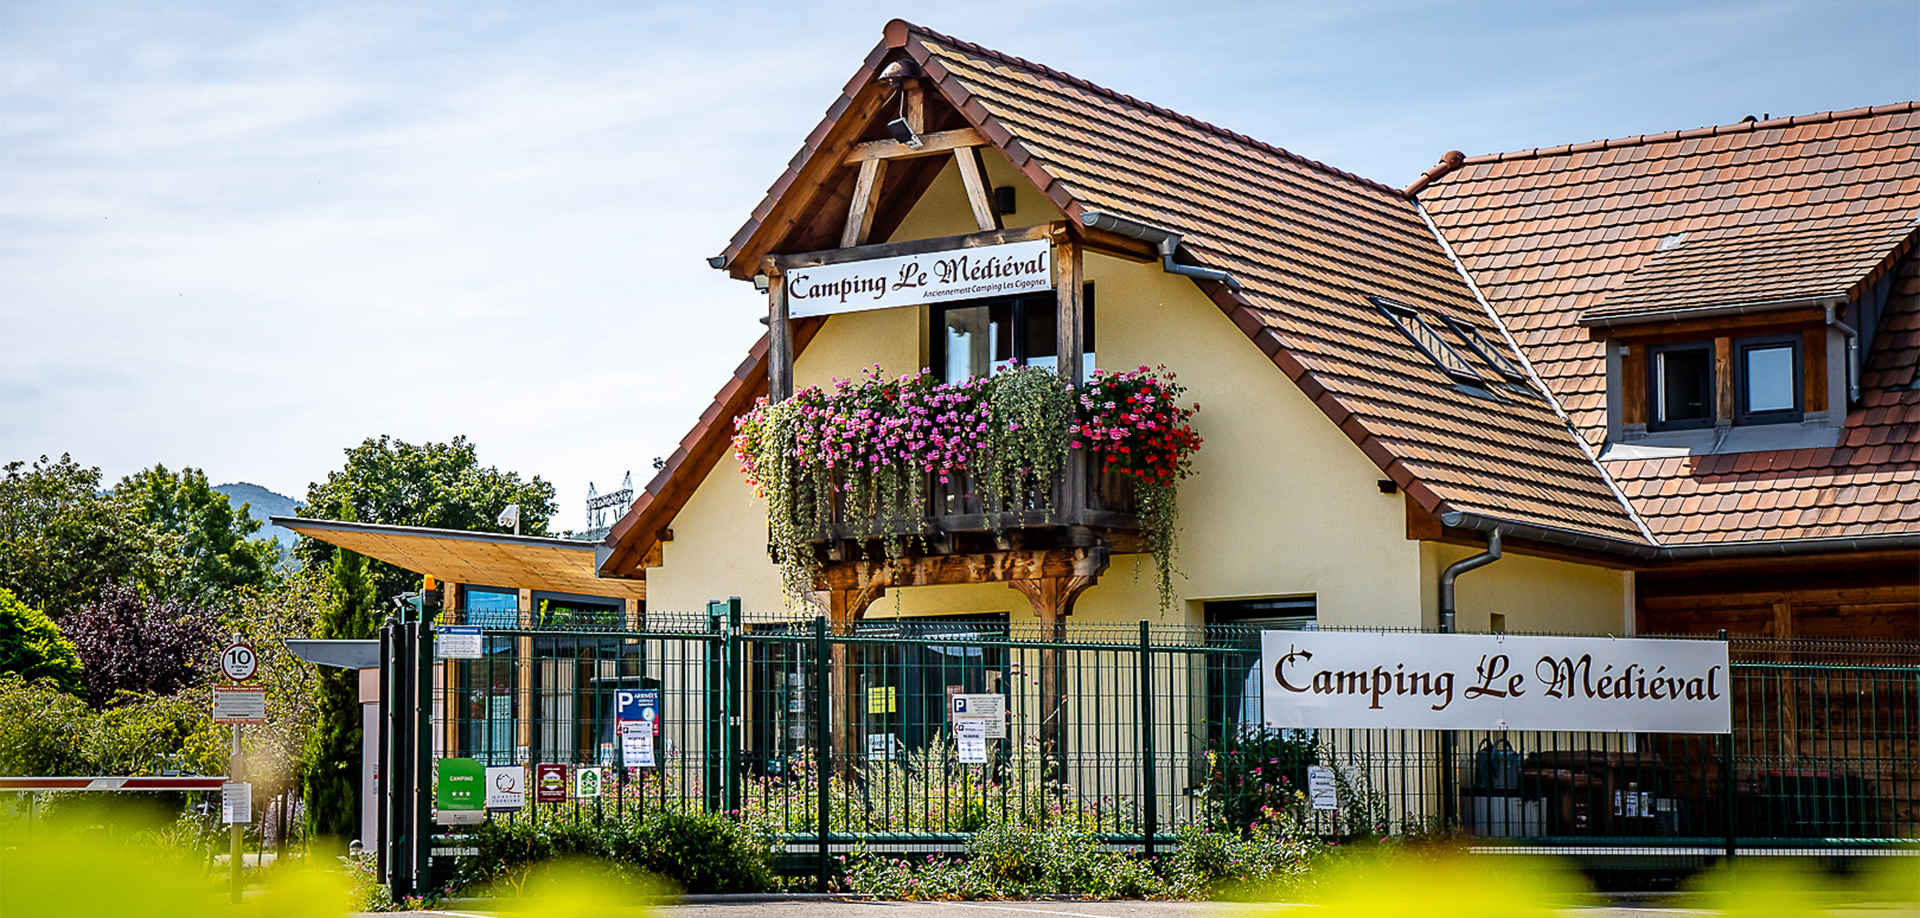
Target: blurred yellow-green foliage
{"x":1783,"y":888}
{"x":1447,"y":885}
{"x":578,"y":888}
{"x":88,"y":876}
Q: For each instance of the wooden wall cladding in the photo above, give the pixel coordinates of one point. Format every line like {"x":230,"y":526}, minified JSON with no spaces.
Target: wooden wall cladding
{"x":1788,"y":599}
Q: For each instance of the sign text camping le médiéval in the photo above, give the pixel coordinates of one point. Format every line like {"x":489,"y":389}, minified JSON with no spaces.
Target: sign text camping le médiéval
{"x":1326,"y":679}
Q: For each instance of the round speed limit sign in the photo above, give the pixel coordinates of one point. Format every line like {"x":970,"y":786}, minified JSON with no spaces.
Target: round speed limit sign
{"x":238,"y":662}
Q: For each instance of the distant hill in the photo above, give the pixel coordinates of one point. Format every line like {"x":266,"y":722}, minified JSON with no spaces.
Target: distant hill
{"x":262,"y":503}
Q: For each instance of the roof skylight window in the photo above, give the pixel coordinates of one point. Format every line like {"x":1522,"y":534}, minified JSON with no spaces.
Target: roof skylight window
{"x":1494,"y":356}
{"x":1415,"y":327}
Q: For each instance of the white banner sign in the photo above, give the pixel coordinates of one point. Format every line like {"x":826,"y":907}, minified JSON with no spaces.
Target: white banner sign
{"x":910,"y":280}
{"x":1322,"y":679}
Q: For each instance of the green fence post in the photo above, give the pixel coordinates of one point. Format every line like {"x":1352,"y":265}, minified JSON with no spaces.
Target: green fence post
{"x":1728,"y":809}
{"x":823,"y":699}
{"x":1150,"y":780}
{"x":423,"y":760}
{"x":729,"y":705}
{"x":716,"y":707}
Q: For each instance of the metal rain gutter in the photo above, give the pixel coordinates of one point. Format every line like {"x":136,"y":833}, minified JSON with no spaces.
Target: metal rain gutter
{"x":1773,"y":548}
{"x":1704,"y":312}
{"x":1166,"y":241}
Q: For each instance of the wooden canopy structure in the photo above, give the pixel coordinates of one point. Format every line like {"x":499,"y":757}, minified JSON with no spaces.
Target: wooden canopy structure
{"x":481,"y":558}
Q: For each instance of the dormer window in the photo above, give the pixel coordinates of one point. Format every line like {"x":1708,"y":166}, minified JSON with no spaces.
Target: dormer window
{"x":1681,"y":386}
{"x":1767,"y":387}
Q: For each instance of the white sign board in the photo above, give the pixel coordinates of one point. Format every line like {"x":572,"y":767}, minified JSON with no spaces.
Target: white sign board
{"x":910,"y":280}
{"x":586,"y":782}
{"x":239,"y":704}
{"x":236,"y":803}
{"x":506,"y":787}
{"x":1320,"y":788}
{"x":238,"y":662}
{"x":970,"y":736}
{"x":636,"y":748}
{"x":459,"y":642}
{"x":1322,"y":679}
{"x":881,"y":747}
{"x":989,"y":709}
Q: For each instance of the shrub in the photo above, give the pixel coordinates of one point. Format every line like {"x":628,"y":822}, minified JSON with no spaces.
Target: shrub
{"x":699,"y":852}
{"x":32,"y":646}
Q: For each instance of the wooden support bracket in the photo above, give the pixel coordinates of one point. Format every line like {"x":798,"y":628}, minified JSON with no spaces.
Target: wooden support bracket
{"x":973,"y":174}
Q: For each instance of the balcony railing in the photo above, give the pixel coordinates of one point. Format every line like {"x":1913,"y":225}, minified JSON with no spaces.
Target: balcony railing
{"x":961,"y":505}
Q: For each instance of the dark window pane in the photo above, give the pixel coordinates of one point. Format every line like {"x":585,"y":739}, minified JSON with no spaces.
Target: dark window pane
{"x":1039,"y":323}
{"x":1682,"y":379}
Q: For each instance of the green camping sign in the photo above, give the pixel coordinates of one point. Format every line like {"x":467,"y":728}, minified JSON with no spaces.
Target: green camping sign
{"x":462,"y":787}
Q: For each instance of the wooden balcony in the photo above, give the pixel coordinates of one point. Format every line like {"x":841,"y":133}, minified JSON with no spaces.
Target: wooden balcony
{"x":1076,"y":510}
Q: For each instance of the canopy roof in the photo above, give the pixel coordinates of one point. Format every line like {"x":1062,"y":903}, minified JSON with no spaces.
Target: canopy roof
{"x":486,"y":558}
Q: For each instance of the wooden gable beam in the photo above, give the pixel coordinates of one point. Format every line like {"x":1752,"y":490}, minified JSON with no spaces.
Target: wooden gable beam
{"x":930,"y":145}
{"x":866,"y":202}
{"x":973,"y":174}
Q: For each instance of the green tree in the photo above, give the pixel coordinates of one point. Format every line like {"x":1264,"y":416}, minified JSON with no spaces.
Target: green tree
{"x":32,"y":646}
{"x":331,"y":764}
{"x":63,"y":541}
{"x":441,"y":485}
{"x":213,"y":540}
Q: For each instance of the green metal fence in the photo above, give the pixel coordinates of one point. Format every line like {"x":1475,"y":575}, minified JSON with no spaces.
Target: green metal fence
{"x":831,"y":737}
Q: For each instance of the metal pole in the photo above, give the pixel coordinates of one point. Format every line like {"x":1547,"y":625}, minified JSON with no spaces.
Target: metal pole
{"x":423,"y":761}
{"x":716,"y":709}
{"x":237,"y":770}
{"x":730,"y":661}
{"x":1150,"y":781}
{"x":823,"y":702}
{"x":1728,"y":814}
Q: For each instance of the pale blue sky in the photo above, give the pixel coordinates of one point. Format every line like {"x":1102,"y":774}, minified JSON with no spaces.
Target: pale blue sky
{"x":246,"y":236}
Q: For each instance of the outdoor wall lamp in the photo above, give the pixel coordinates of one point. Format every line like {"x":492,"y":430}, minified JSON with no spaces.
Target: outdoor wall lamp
{"x":903,"y":133}
{"x":761,"y":282}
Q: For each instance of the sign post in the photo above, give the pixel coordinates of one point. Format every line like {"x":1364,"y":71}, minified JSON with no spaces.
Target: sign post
{"x":237,"y":705}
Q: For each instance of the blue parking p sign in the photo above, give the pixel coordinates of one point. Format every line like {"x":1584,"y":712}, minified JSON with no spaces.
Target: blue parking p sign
{"x":638,"y":706}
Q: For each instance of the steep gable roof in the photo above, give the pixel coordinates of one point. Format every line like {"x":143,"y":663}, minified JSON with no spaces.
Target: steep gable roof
{"x":1827,"y":202}
{"x":1310,"y":245}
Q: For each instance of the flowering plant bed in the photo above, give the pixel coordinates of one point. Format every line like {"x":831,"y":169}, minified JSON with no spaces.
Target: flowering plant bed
{"x":871,"y":456}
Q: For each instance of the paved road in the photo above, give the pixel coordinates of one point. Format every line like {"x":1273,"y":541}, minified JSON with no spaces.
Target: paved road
{"x":1047,"y":909}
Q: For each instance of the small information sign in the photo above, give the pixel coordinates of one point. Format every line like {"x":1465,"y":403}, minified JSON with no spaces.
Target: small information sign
{"x":459,"y":642}
{"x":239,"y":704}
{"x":882,"y":699}
{"x":1320,"y":788}
{"x":970,"y":736}
{"x":636,"y":748}
{"x":506,"y":787}
{"x":586,"y":782}
{"x":635,"y":709}
{"x":990,"y":710}
{"x":236,"y":803}
{"x":550,"y":783}
{"x":881,"y":747}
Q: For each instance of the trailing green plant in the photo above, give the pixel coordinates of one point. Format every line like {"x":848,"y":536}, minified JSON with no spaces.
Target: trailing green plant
{"x":1133,"y":425}
{"x":867,"y":454}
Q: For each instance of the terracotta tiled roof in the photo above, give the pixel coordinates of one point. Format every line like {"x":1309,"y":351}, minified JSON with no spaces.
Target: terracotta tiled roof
{"x":1310,"y":245}
{"x":1550,"y":234}
{"x":1546,"y":233}
{"x":1869,"y":484}
{"x":1776,"y":267}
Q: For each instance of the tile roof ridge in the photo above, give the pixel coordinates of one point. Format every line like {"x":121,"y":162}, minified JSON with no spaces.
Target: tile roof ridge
{"x":1123,"y":98}
{"x":1865,"y":111}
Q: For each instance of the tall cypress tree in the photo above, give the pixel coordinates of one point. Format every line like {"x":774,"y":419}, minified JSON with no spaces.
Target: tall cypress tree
{"x":331,"y":779}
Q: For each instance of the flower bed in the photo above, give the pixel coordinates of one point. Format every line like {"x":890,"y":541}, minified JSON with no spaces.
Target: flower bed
{"x":865,"y":452}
